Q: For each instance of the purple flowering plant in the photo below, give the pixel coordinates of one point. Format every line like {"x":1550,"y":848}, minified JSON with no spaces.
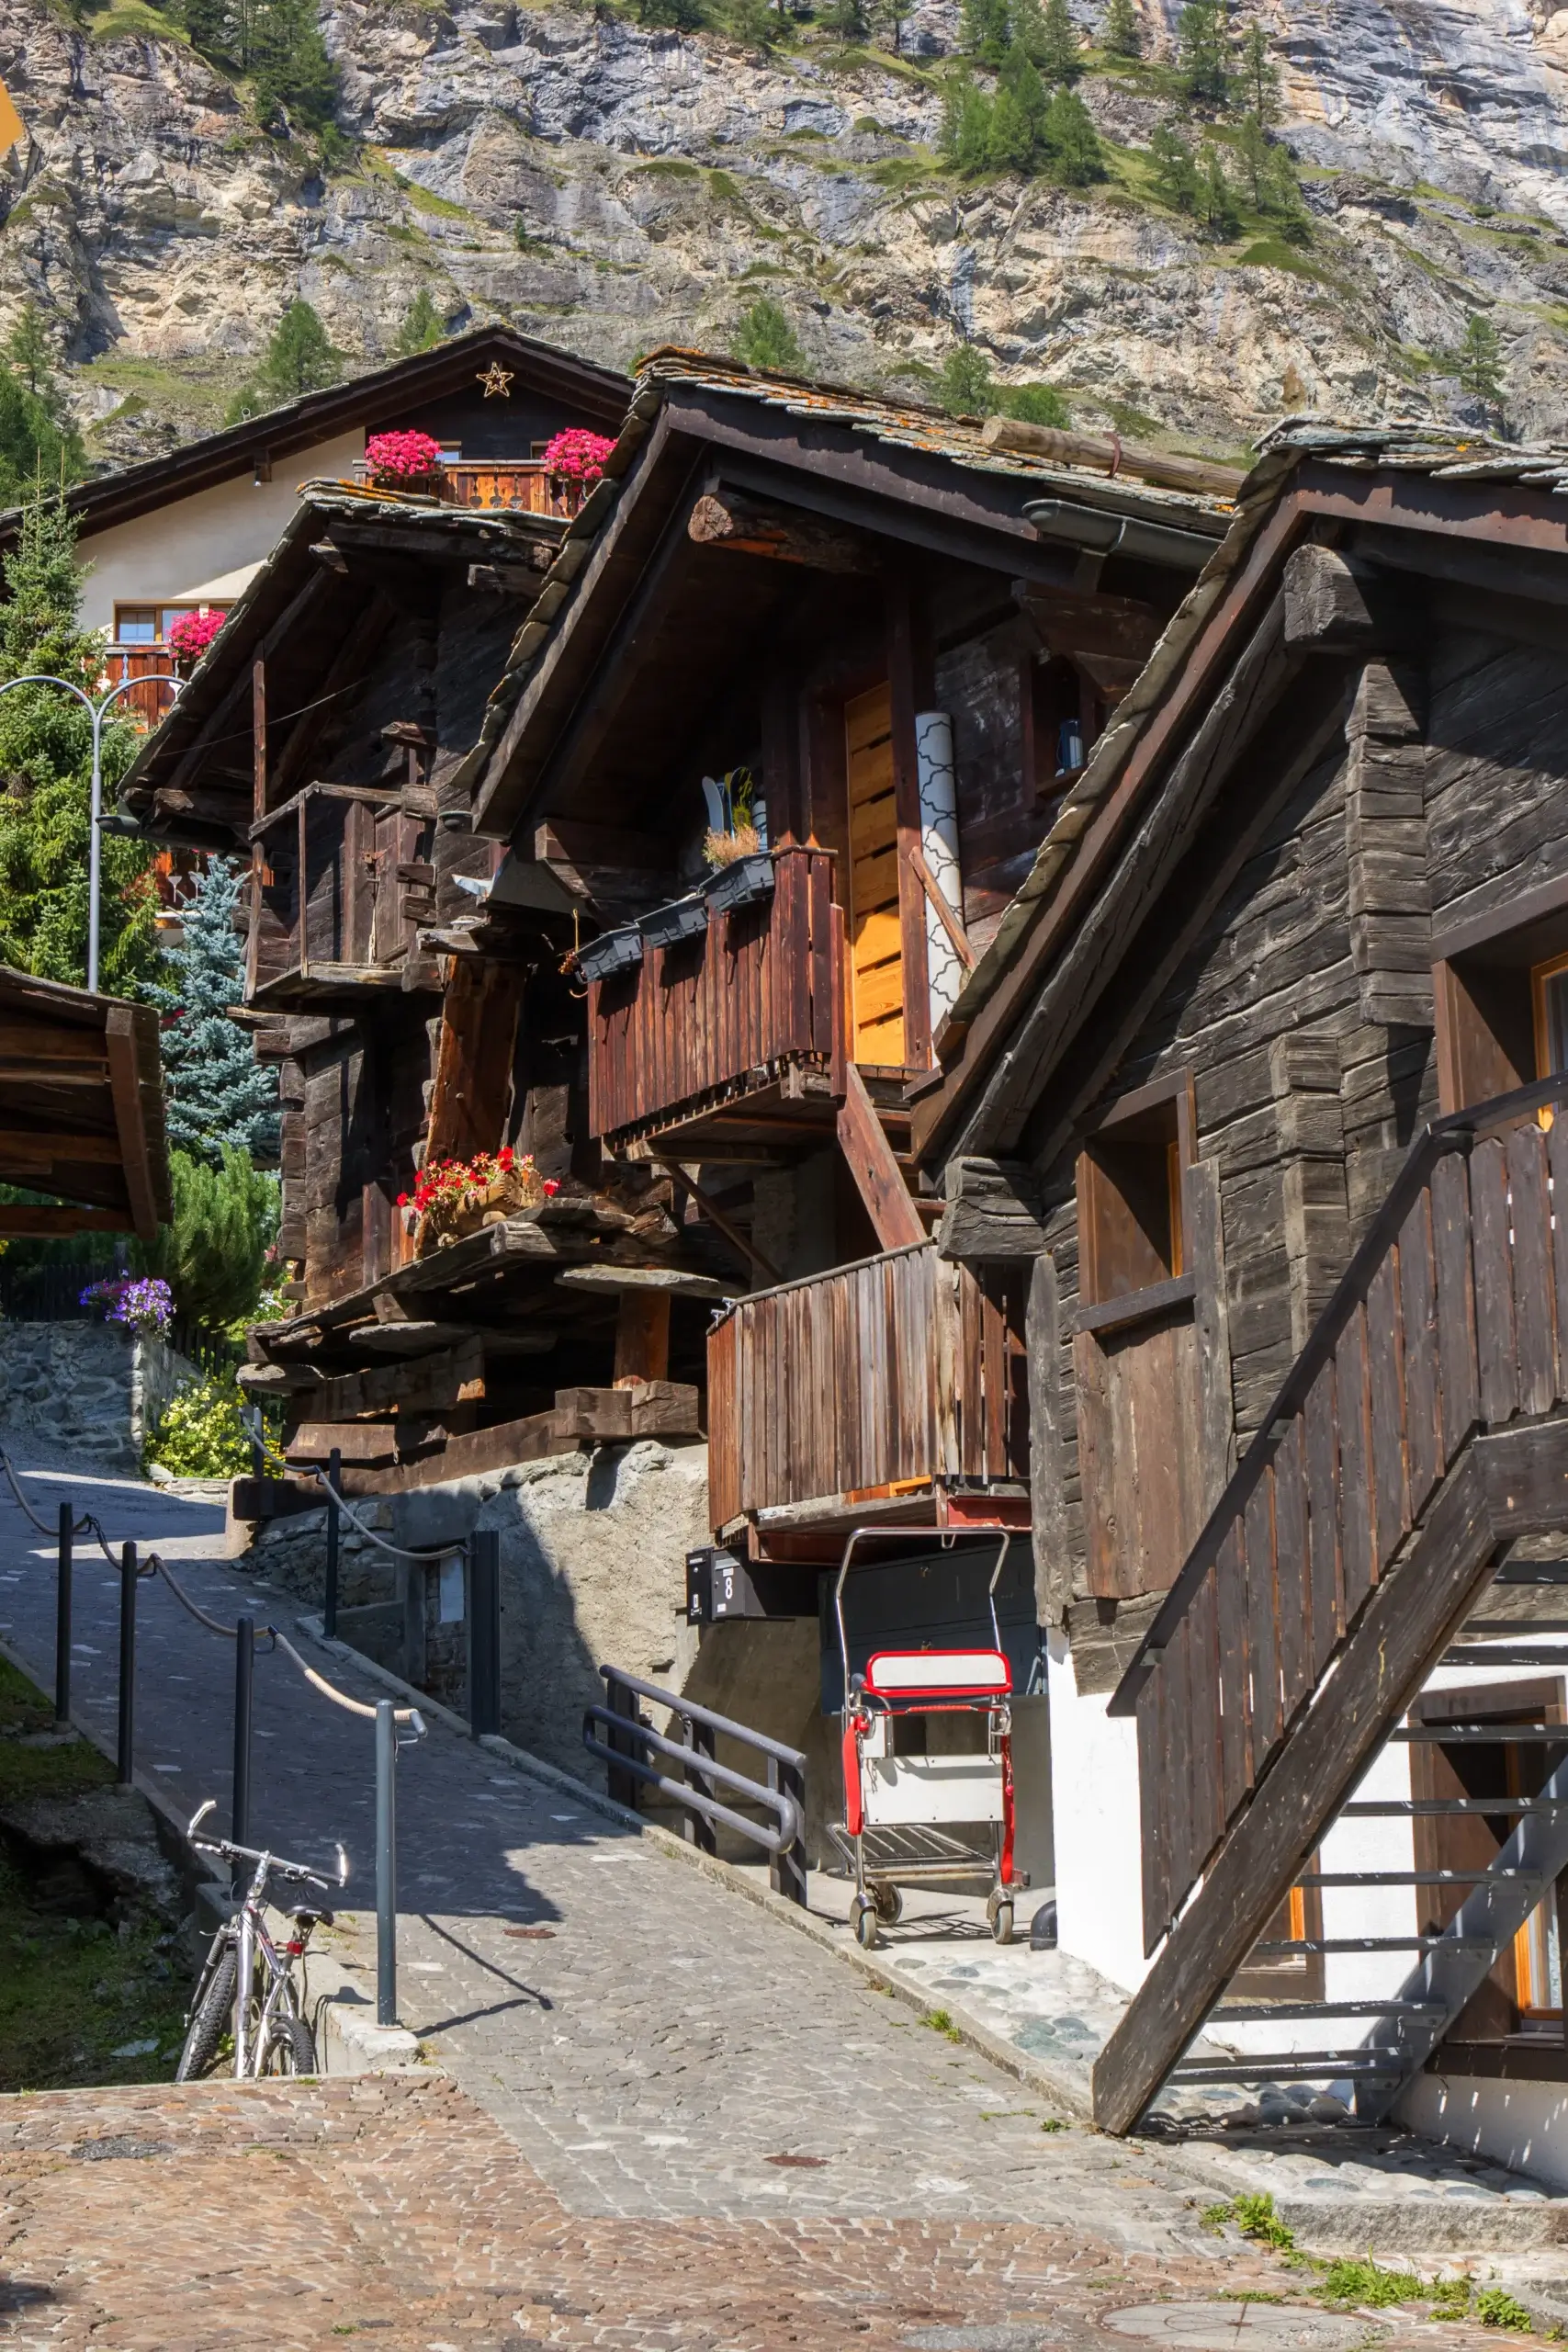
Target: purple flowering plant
{"x":141,"y":1302}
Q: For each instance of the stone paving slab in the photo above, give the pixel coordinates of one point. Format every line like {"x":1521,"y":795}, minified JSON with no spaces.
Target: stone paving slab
{"x":395,"y":2210}
{"x":657,"y":2047}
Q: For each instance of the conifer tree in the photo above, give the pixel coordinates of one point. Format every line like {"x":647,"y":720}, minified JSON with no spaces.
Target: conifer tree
{"x":1202,"y":57}
{"x":28,"y":353}
{"x":1123,"y":34}
{"x":1216,"y":196}
{"x":965,"y":387}
{"x":422,"y":328}
{"x":218,"y":1092}
{"x":1258,"y":76}
{"x":1175,"y":172}
{"x":1478,"y":361}
{"x":967,"y":126}
{"x":1062,"y":59}
{"x":1254,"y":157}
{"x":986,"y":31}
{"x":765,"y":338}
{"x":45,"y":766}
{"x":1072,"y":140}
{"x":213,"y":1252}
{"x":299,"y":357}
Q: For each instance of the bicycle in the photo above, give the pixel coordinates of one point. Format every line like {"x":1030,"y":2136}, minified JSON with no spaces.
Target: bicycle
{"x":270,"y":2034}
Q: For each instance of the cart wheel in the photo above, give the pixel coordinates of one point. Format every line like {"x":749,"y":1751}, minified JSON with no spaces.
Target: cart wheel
{"x":1001,"y":1922}
{"x":889,"y":1904}
{"x":866,"y":1922}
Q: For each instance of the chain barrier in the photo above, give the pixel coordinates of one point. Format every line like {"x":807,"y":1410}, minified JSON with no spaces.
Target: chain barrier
{"x":399,"y":1551}
{"x":79,"y":1526}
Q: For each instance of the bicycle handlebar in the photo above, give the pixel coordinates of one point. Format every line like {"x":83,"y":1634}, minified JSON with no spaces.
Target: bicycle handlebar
{"x":228,"y":1853}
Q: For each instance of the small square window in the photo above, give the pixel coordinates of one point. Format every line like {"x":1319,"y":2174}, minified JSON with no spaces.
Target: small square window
{"x":1129,"y":1223}
{"x":135,"y":625}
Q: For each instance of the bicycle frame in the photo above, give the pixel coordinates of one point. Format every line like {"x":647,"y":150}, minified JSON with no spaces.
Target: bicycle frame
{"x":253,"y":1944}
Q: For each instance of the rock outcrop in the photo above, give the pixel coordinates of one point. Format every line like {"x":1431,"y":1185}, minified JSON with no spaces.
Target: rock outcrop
{"x":612,"y":187}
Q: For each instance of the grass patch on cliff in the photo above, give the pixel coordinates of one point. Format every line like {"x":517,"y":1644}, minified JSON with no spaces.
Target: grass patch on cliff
{"x":132,"y":19}
{"x":425,"y":199}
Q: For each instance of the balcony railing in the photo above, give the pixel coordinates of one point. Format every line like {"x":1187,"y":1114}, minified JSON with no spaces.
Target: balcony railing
{"x":744,"y":1018}
{"x":146,"y":705}
{"x":897,"y":1373}
{"x":346,"y":931}
{"x":522,"y":484}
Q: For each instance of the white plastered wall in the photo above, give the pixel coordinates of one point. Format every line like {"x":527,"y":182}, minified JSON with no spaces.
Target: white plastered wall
{"x":1094,"y":1787}
{"x":208,"y":547}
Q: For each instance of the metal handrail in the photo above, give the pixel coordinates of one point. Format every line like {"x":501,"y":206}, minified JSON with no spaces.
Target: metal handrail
{"x":782,"y":1796}
{"x":1456,"y":1131}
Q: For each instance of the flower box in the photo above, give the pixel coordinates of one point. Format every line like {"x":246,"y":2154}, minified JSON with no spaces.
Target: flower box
{"x":457,"y":1198}
{"x":681,"y":919}
{"x":616,"y":951}
{"x":742,"y":884}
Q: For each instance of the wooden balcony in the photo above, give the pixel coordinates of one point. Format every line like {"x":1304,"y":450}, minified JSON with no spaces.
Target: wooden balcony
{"x":731,"y":1038}
{"x":146,"y":705}
{"x":520,"y":484}
{"x":328,"y":919}
{"x":901,"y":1377}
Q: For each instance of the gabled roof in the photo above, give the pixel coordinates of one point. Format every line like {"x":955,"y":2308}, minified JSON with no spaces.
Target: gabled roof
{"x":284,"y":610}
{"x":378,"y":399}
{"x":1378,"y":482}
{"x":909,"y":472}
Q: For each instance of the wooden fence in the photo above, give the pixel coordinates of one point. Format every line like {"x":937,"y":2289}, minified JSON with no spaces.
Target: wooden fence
{"x":1451,"y":1319}
{"x":145,"y":704}
{"x":519,"y":484}
{"x":762,"y":987}
{"x":896,"y":1370}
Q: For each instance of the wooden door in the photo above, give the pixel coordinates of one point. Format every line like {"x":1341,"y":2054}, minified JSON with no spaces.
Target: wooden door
{"x":877,"y":955}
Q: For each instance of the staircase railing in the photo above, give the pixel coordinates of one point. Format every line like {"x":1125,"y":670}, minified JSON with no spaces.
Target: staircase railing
{"x":1451,"y":1319}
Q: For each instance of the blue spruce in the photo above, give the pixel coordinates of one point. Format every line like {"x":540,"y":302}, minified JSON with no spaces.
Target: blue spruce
{"x":218,"y":1092}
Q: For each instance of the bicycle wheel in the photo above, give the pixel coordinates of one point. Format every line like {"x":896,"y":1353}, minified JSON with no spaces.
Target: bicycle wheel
{"x":212,"y":2018}
{"x":290,"y":2048}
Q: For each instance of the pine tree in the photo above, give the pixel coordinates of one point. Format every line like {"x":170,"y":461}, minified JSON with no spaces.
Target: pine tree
{"x":986,"y":32}
{"x":39,"y":449}
{"x":213,"y":1253}
{"x":1254,"y":158}
{"x":765,"y":339}
{"x":1028,"y":23}
{"x":422,"y":326}
{"x":1062,"y":59}
{"x":296,"y":81}
{"x":1216,"y":196}
{"x":673,"y":16}
{"x":753,"y":23}
{"x":1478,"y":363}
{"x":1035,"y":405}
{"x":967,"y":126}
{"x":28,"y":353}
{"x":1072,"y":140}
{"x":1021,"y":84}
{"x":848,"y":20}
{"x":1202,"y":51}
{"x":1258,"y":76}
{"x":1010,"y":136}
{"x":1123,"y":33}
{"x":45,"y":766}
{"x":965,"y":387}
{"x":300,"y":357}
{"x":218,"y":1092}
{"x":1283,"y":196}
{"x":897,"y":14}
{"x":1175,"y":172}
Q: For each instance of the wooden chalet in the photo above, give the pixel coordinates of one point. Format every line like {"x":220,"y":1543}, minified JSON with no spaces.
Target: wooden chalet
{"x":466,"y":754}
{"x":1259,"y":1082}
{"x":81,"y":1111}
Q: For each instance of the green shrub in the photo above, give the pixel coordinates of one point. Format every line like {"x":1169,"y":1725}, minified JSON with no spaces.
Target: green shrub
{"x":1495,"y":2307}
{"x":214,"y":1253}
{"x":1256,"y":2218}
{"x":200,"y":1433}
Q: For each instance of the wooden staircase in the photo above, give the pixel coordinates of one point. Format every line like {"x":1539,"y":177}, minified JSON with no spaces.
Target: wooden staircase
{"x":1422,"y":1432}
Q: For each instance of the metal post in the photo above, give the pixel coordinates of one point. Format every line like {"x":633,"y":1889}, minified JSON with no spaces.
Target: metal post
{"x":623,"y":1786}
{"x":329,"y":1594}
{"x":786,"y":1872}
{"x":244,"y":1692}
{"x":62,"y":1619}
{"x":386,"y":1864}
{"x":702,"y":1740}
{"x":125,"y":1751}
{"x":484,"y":1631}
{"x":95,"y":847}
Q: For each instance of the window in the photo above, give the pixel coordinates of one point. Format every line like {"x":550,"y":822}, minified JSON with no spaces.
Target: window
{"x":1130,"y":1221}
{"x":1501,"y":992}
{"x":1062,"y":717}
{"x":151,"y":624}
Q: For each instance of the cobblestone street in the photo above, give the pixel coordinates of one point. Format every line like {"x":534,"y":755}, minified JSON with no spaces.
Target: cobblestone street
{"x":666,"y":2119}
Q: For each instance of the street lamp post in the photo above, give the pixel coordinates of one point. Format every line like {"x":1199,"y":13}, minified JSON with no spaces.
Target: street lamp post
{"x":96,"y":711}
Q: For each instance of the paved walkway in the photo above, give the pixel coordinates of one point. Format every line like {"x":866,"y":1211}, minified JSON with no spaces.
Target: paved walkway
{"x":656,"y":2047}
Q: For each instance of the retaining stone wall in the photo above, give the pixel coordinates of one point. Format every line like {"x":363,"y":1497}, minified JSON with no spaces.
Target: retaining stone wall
{"x":90,"y":1389}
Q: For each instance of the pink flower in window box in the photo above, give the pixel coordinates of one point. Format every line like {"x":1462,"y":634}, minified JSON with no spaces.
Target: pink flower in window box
{"x":576,"y":455}
{"x":192,"y":634}
{"x":402,"y":461}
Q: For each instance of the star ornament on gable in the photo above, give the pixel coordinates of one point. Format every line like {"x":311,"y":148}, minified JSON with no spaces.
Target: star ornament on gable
{"x":497,"y":380}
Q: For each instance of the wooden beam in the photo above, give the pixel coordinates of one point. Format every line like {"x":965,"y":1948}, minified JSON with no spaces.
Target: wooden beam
{"x":21,"y":1219}
{"x":429,"y":1385}
{"x":258,"y":738}
{"x":570,"y":840}
{"x":43,"y":1147}
{"x":739,"y":1239}
{"x":748,"y":526}
{"x":124,"y":1087}
{"x":473,"y":1059}
{"x":364,"y":1442}
{"x":642,"y":1337}
{"x":994,"y":1210}
{"x":1112,"y":456}
{"x":22,"y":1042}
{"x":878,"y":1176}
{"x":943,"y":908}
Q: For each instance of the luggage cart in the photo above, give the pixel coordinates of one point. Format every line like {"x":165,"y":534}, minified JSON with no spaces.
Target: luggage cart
{"x":903,"y":1814}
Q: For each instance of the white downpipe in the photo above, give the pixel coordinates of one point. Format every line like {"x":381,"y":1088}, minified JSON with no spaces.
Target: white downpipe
{"x":938,"y":775}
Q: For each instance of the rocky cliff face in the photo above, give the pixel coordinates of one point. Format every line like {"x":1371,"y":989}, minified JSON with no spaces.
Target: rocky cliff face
{"x":611,"y":189}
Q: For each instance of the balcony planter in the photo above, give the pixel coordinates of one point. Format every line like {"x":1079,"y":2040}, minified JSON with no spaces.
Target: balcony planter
{"x":617,"y":951}
{"x":742,"y":884}
{"x":681,"y":919}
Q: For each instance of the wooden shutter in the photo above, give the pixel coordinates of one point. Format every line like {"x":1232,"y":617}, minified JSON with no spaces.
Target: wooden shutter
{"x":876,"y":956}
